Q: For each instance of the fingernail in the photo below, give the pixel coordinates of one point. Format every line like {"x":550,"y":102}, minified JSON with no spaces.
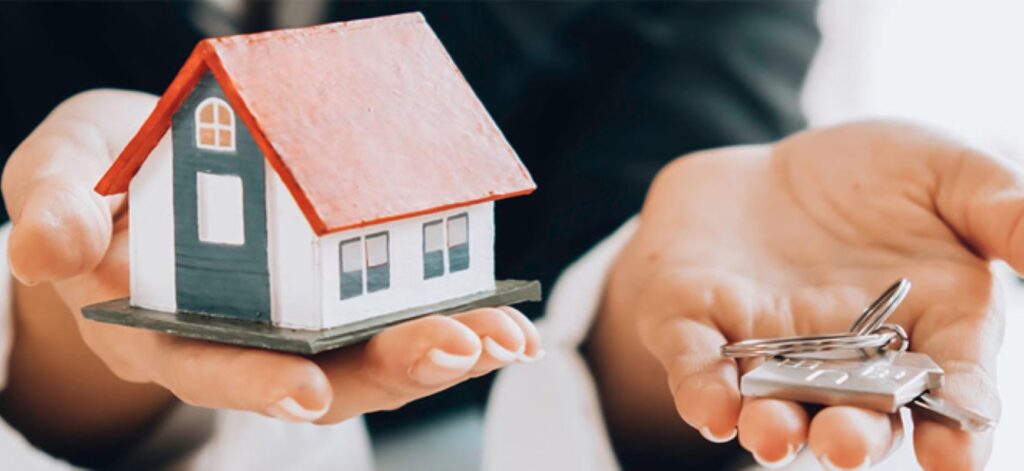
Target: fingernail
{"x":791,"y":452}
{"x":500,"y":353}
{"x":706,"y":432}
{"x":289,"y":409}
{"x":441,"y":367}
{"x":524,"y":358}
{"x":827,"y":464}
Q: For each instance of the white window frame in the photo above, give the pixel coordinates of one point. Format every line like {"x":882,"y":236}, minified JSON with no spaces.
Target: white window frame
{"x":216,"y":125}
{"x":220,"y":209}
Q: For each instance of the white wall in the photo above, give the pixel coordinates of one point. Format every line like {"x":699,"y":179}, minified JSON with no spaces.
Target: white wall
{"x":293,"y":260}
{"x":408,"y":288}
{"x":952,"y":64}
{"x":151,"y":231}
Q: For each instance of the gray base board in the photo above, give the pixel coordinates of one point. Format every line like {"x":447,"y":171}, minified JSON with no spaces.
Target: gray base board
{"x":308,"y":342}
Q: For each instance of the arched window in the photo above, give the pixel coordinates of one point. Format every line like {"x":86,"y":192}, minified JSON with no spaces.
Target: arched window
{"x":215,"y":125}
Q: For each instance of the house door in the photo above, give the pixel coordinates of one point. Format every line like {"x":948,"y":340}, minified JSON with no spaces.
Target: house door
{"x":220,"y":225}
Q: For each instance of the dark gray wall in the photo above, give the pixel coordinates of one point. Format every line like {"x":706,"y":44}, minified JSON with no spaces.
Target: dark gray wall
{"x":218,"y":279}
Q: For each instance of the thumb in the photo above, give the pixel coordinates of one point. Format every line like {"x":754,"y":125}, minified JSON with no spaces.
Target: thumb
{"x":981,"y":197}
{"x":61,"y":227}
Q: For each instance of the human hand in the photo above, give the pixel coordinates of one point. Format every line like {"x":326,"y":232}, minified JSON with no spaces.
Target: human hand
{"x":795,"y":238}
{"x":65,"y":234}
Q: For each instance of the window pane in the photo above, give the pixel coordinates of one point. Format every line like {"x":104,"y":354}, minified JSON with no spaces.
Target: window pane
{"x":378,"y":278}
{"x":433,"y":236}
{"x":206,"y":113}
{"x":220,"y":217}
{"x":224,"y":139}
{"x":458,"y":230}
{"x":206,"y":137}
{"x":433,"y":264}
{"x":376,"y":250}
{"x":223,"y":114}
{"x":351,"y":256}
{"x":433,"y":249}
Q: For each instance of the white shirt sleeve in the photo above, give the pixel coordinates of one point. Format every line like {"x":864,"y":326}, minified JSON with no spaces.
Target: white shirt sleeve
{"x":547,"y":415}
{"x":195,"y":438}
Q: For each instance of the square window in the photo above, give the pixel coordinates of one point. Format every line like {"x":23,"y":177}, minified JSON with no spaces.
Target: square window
{"x":350,"y":254}
{"x":433,"y":236}
{"x":433,"y":249}
{"x":458,"y":230}
{"x":458,"y":243}
{"x":378,"y":268}
{"x":220,"y":216}
{"x":377,"y":250}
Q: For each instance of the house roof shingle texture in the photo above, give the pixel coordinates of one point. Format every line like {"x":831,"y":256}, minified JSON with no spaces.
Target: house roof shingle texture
{"x":365,"y":121}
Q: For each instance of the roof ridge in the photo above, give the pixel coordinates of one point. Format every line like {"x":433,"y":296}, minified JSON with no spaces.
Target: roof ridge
{"x":317,"y":30}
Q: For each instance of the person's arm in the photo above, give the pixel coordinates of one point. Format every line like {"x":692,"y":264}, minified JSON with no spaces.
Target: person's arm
{"x":72,"y":245}
{"x":52,"y":373}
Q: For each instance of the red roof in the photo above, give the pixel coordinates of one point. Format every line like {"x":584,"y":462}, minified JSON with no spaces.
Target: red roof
{"x":365,"y":121}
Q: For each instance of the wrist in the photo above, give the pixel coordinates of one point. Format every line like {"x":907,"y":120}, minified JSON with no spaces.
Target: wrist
{"x":60,"y":395}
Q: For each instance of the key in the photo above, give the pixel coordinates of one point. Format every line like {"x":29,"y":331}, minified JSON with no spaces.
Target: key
{"x":872,"y":378}
{"x":883,"y":382}
{"x":967,"y":420}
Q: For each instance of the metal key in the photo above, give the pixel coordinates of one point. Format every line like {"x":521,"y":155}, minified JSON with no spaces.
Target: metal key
{"x":883,"y":383}
{"x":882,"y":380}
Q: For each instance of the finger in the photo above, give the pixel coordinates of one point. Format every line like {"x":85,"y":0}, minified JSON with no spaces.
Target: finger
{"x":61,"y":227}
{"x":533,"y":351}
{"x":702,"y":382}
{"x":400,"y":364}
{"x":965,"y":345}
{"x":204,"y":374}
{"x":773,"y":431}
{"x":503,"y":340}
{"x":845,"y":437}
{"x":64,"y":230}
{"x":981,"y":196}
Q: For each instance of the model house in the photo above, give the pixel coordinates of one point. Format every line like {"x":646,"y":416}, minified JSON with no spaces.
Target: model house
{"x":315,"y":177}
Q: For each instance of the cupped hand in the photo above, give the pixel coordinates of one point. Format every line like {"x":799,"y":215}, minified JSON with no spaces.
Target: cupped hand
{"x":795,"y":238}
{"x":65,"y":234}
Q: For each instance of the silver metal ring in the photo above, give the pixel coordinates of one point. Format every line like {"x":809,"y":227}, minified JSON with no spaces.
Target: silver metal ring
{"x":807,"y":344}
{"x":880,"y":309}
{"x":900,"y":334}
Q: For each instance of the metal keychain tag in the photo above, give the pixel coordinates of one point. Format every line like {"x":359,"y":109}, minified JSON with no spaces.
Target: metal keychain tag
{"x":884,"y":382}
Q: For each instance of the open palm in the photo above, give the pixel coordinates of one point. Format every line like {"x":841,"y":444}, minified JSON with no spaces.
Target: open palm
{"x":796,"y":238}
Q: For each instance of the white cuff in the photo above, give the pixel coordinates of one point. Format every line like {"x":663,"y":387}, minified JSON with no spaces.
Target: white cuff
{"x":547,"y":416}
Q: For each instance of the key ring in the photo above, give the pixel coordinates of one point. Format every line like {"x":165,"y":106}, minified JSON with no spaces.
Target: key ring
{"x":900,"y":334}
{"x":808,"y":344}
{"x":881,"y":308}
